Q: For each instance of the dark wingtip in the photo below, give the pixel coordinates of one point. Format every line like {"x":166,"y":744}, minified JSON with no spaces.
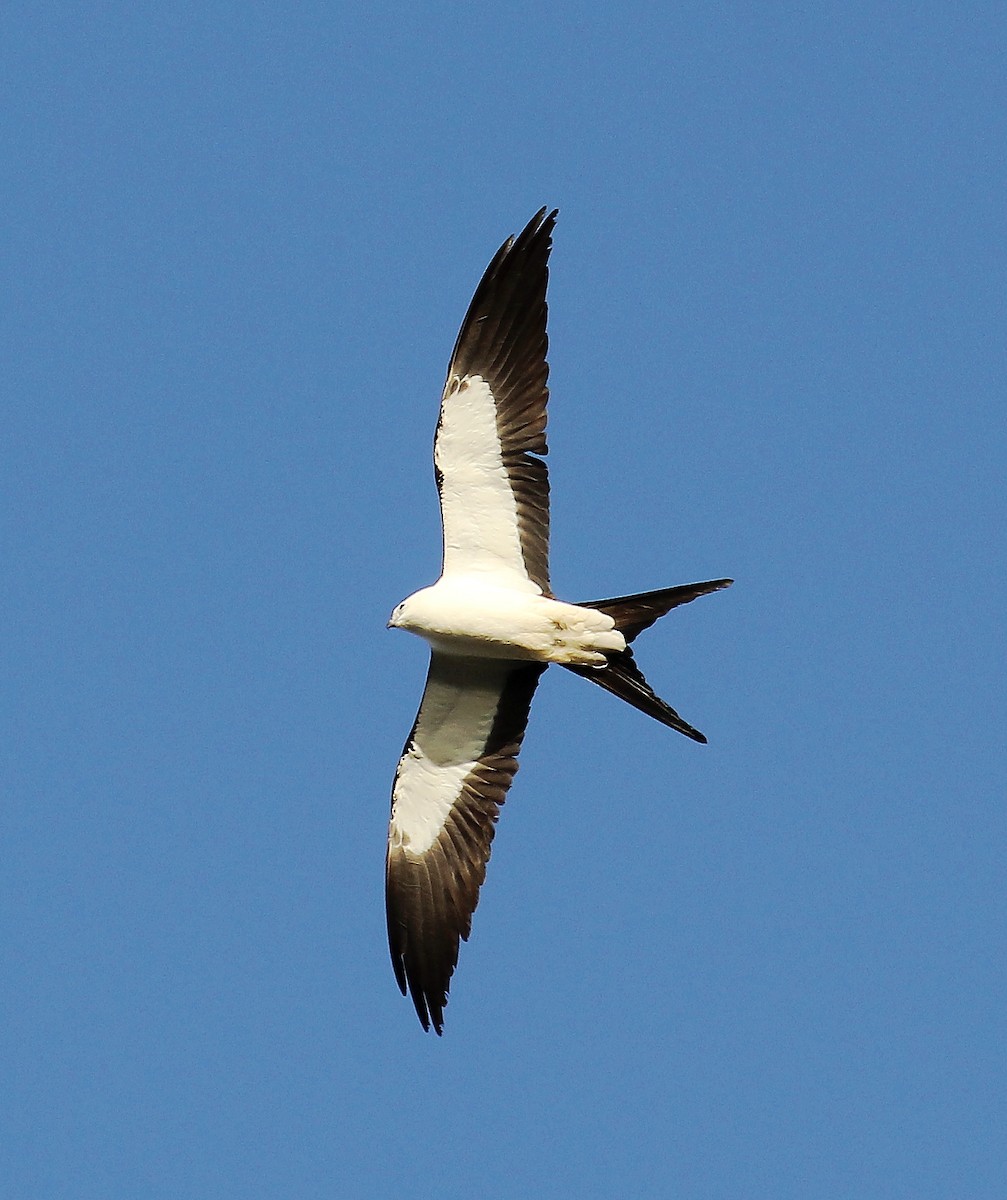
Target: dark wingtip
{"x":428,"y":1013}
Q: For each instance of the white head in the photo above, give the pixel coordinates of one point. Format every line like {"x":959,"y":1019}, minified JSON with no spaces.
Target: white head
{"x":405,"y":615}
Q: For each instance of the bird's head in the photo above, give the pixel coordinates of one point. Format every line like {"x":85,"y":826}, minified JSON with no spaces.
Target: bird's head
{"x":400,"y":616}
{"x":417,"y":613}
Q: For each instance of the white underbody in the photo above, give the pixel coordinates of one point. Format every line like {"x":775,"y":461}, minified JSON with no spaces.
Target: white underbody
{"x":482,"y":617}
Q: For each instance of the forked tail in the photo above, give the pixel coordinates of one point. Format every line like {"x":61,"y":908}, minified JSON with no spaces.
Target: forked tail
{"x":632,"y":615}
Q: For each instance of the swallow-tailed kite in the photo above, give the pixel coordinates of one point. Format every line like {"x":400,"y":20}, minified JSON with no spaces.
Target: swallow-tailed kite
{"x":492,"y":622}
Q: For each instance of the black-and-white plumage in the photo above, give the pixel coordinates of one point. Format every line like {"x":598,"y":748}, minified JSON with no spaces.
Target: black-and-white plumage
{"x":492,"y":622}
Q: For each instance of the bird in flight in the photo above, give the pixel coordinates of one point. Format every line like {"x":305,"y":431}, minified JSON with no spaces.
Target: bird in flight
{"x":492,"y":623}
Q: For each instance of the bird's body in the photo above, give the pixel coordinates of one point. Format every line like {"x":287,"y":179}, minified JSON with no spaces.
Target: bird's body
{"x":492,"y":623}
{"x":469,"y":616}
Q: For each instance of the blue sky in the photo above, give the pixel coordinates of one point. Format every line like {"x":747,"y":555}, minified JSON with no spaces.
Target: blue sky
{"x":238,"y":241}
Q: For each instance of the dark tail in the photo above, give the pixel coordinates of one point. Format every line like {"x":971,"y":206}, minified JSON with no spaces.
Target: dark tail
{"x":632,"y":615}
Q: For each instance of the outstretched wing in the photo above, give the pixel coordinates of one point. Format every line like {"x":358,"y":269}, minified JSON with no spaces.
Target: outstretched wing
{"x":494,"y":492}
{"x":451,"y":780}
